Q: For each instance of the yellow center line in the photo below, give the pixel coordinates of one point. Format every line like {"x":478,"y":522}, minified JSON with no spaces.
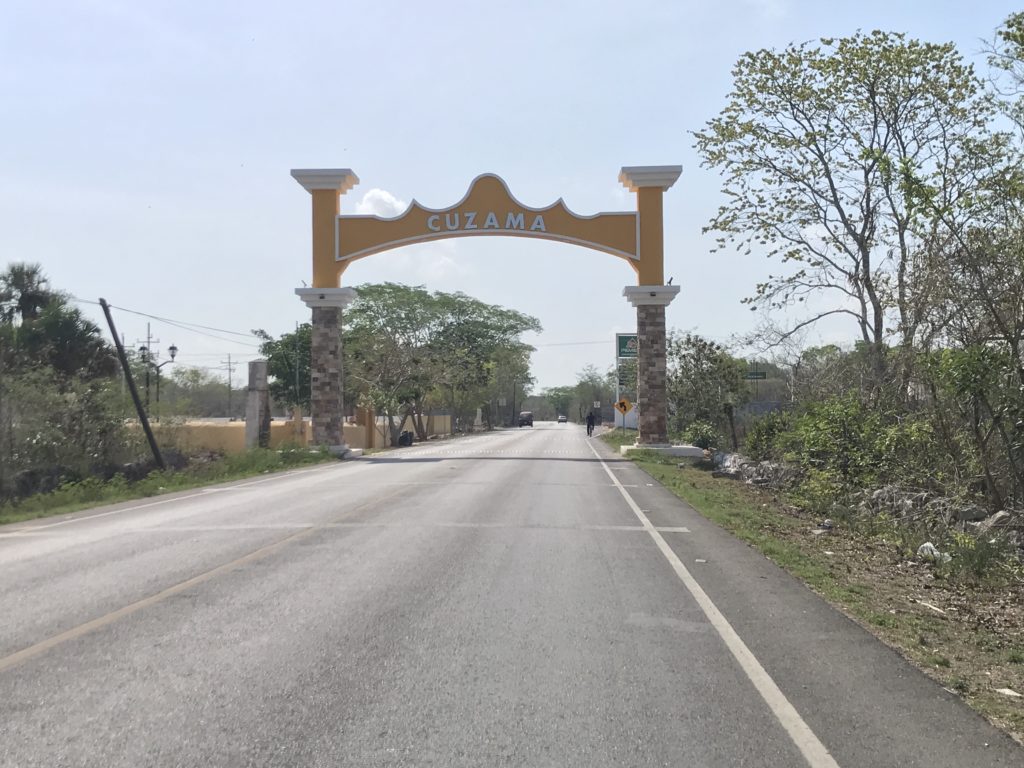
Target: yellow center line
{"x":102,"y":621}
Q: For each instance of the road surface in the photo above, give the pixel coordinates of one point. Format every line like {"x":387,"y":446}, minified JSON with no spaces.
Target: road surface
{"x":521,"y":598}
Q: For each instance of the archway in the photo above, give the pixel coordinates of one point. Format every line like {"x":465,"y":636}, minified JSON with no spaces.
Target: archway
{"x":487,"y":209}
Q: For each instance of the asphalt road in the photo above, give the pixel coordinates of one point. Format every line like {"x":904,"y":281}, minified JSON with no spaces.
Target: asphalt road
{"x":521,"y":598}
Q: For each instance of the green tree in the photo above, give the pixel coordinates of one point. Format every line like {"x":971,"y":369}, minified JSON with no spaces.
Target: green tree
{"x":24,"y":291}
{"x":288,"y":365}
{"x":835,"y":157}
{"x":705,"y":384}
{"x":408,"y":348}
{"x":592,"y":386}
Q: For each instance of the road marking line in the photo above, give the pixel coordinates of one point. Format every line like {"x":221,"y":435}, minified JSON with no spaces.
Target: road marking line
{"x":6,"y":662}
{"x":75,"y":632}
{"x":814,"y":752}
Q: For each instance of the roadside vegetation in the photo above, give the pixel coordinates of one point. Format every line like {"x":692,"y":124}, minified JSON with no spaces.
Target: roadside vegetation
{"x":74,"y":495}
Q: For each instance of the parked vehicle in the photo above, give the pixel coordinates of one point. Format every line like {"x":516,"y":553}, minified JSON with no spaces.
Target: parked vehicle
{"x":526,"y":419}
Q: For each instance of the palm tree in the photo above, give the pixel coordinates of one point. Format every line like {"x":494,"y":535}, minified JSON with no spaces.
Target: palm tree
{"x":24,"y":292}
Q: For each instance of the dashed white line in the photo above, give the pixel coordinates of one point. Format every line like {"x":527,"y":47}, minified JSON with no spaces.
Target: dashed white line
{"x":814,"y":752}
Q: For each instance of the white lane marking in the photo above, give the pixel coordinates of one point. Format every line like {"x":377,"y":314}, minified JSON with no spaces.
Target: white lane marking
{"x":33,"y":528}
{"x":814,"y":752}
{"x":149,"y":530}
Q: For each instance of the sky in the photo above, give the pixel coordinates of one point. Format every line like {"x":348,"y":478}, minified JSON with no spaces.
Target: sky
{"x":147,"y":147}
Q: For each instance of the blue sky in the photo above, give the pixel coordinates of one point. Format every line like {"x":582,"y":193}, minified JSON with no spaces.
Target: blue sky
{"x":147,"y":147}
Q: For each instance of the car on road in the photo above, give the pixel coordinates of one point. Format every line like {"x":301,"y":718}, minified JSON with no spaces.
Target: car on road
{"x":526,"y":419}
{"x":562,"y":418}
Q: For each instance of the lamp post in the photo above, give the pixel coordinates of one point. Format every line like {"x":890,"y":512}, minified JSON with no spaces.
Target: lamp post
{"x":172,"y":351}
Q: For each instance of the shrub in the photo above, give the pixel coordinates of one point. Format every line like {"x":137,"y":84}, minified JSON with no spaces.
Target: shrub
{"x":761,"y":443}
{"x":701,"y":434}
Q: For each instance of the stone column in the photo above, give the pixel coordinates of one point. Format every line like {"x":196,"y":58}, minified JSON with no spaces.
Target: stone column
{"x":650,"y":297}
{"x":257,"y":407}
{"x":326,"y":186}
{"x":326,"y":402}
{"x":652,"y":366}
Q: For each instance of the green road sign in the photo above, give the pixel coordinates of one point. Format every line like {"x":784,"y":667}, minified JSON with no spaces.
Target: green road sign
{"x":752,"y":375}
{"x":626,"y":345}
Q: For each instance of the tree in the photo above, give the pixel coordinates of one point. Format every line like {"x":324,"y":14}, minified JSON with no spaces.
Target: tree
{"x":835,"y":158}
{"x":705,"y":384}
{"x":39,"y":328}
{"x":592,"y":386}
{"x":24,"y":291}
{"x":1006,"y":57}
{"x":560,"y":400}
{"x":407,"y":347}
{"x":288,"y":365}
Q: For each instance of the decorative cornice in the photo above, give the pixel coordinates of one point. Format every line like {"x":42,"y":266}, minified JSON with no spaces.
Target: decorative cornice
{"x":338,"y":179}
{"x":487,"y":208}
{"x":634,"y":177}
{"x":650,"y":295}
{"x":326,"y":297}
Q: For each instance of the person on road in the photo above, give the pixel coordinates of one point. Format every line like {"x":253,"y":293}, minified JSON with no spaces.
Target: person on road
{"x":590,"y":424}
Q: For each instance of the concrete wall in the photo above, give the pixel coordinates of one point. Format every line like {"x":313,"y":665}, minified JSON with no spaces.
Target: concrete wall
{"x":229,"y":436}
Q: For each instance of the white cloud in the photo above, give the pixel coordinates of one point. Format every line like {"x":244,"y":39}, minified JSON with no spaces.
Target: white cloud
{"x":380,"y":202}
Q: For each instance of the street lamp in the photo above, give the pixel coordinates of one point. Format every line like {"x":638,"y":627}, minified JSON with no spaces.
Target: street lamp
{"x":172,"y":351}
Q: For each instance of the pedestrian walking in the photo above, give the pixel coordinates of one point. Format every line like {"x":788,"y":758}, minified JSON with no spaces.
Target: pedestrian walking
{"x":590,"y":424}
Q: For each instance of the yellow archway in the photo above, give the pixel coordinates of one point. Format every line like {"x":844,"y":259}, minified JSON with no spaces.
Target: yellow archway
{"x":487,"y":209}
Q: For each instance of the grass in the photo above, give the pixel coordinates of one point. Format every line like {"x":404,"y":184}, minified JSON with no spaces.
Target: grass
{"x":619,"y":436}
{"x":962,"y":630}
{"x":74,"y":496}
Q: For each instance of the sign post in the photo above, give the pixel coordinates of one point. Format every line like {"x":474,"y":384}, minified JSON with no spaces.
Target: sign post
{"x":627,"y":347}
{"x":755,"y":376}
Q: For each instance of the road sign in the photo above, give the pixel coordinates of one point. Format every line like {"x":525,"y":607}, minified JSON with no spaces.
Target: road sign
{"x":626,"y":345}
{"x":755,"y":375}
{"x":597,"y":403}
{"x":624,"y":406}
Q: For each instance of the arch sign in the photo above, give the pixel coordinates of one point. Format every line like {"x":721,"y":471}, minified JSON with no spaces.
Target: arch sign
{"x":487,"y":209}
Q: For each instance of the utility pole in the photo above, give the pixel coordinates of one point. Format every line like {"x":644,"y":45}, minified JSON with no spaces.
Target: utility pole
{"x":297,"y":368}
{"x":157,"y":457}
{"x":147,"y":350}
{"x":231,"y":369}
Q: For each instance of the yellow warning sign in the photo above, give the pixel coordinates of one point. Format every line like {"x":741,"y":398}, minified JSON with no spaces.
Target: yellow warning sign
{"x":624,"y":406}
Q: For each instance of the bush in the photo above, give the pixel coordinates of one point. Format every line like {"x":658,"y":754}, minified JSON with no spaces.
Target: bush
{"x":761,"y":443}
{"x":701,"y":434}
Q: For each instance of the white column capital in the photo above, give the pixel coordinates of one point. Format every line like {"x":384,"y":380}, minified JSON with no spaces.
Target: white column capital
{"x":326,"y":297}
{"x":339,"y":179}
{"x":647,"y":295}
{"x":633,"y":177}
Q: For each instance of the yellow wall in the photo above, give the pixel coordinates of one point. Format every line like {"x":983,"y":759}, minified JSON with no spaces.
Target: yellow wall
{"x":229,"y":436}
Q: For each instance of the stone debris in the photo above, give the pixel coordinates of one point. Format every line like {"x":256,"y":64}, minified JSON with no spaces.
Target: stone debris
{"x":930,"y":552}
{"x":735,"y":466}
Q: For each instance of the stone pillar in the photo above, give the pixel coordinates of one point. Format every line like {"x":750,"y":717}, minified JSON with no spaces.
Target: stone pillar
{"x":326,"y":186}
{"x":326,"y":402}
{"x":257,"y":407}
{"x":650,"y":297}
{"x":652,"y":366}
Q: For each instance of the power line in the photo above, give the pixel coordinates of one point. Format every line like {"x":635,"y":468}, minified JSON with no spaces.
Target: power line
{"x":572,"y":343}
{"x":182,"y":324}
